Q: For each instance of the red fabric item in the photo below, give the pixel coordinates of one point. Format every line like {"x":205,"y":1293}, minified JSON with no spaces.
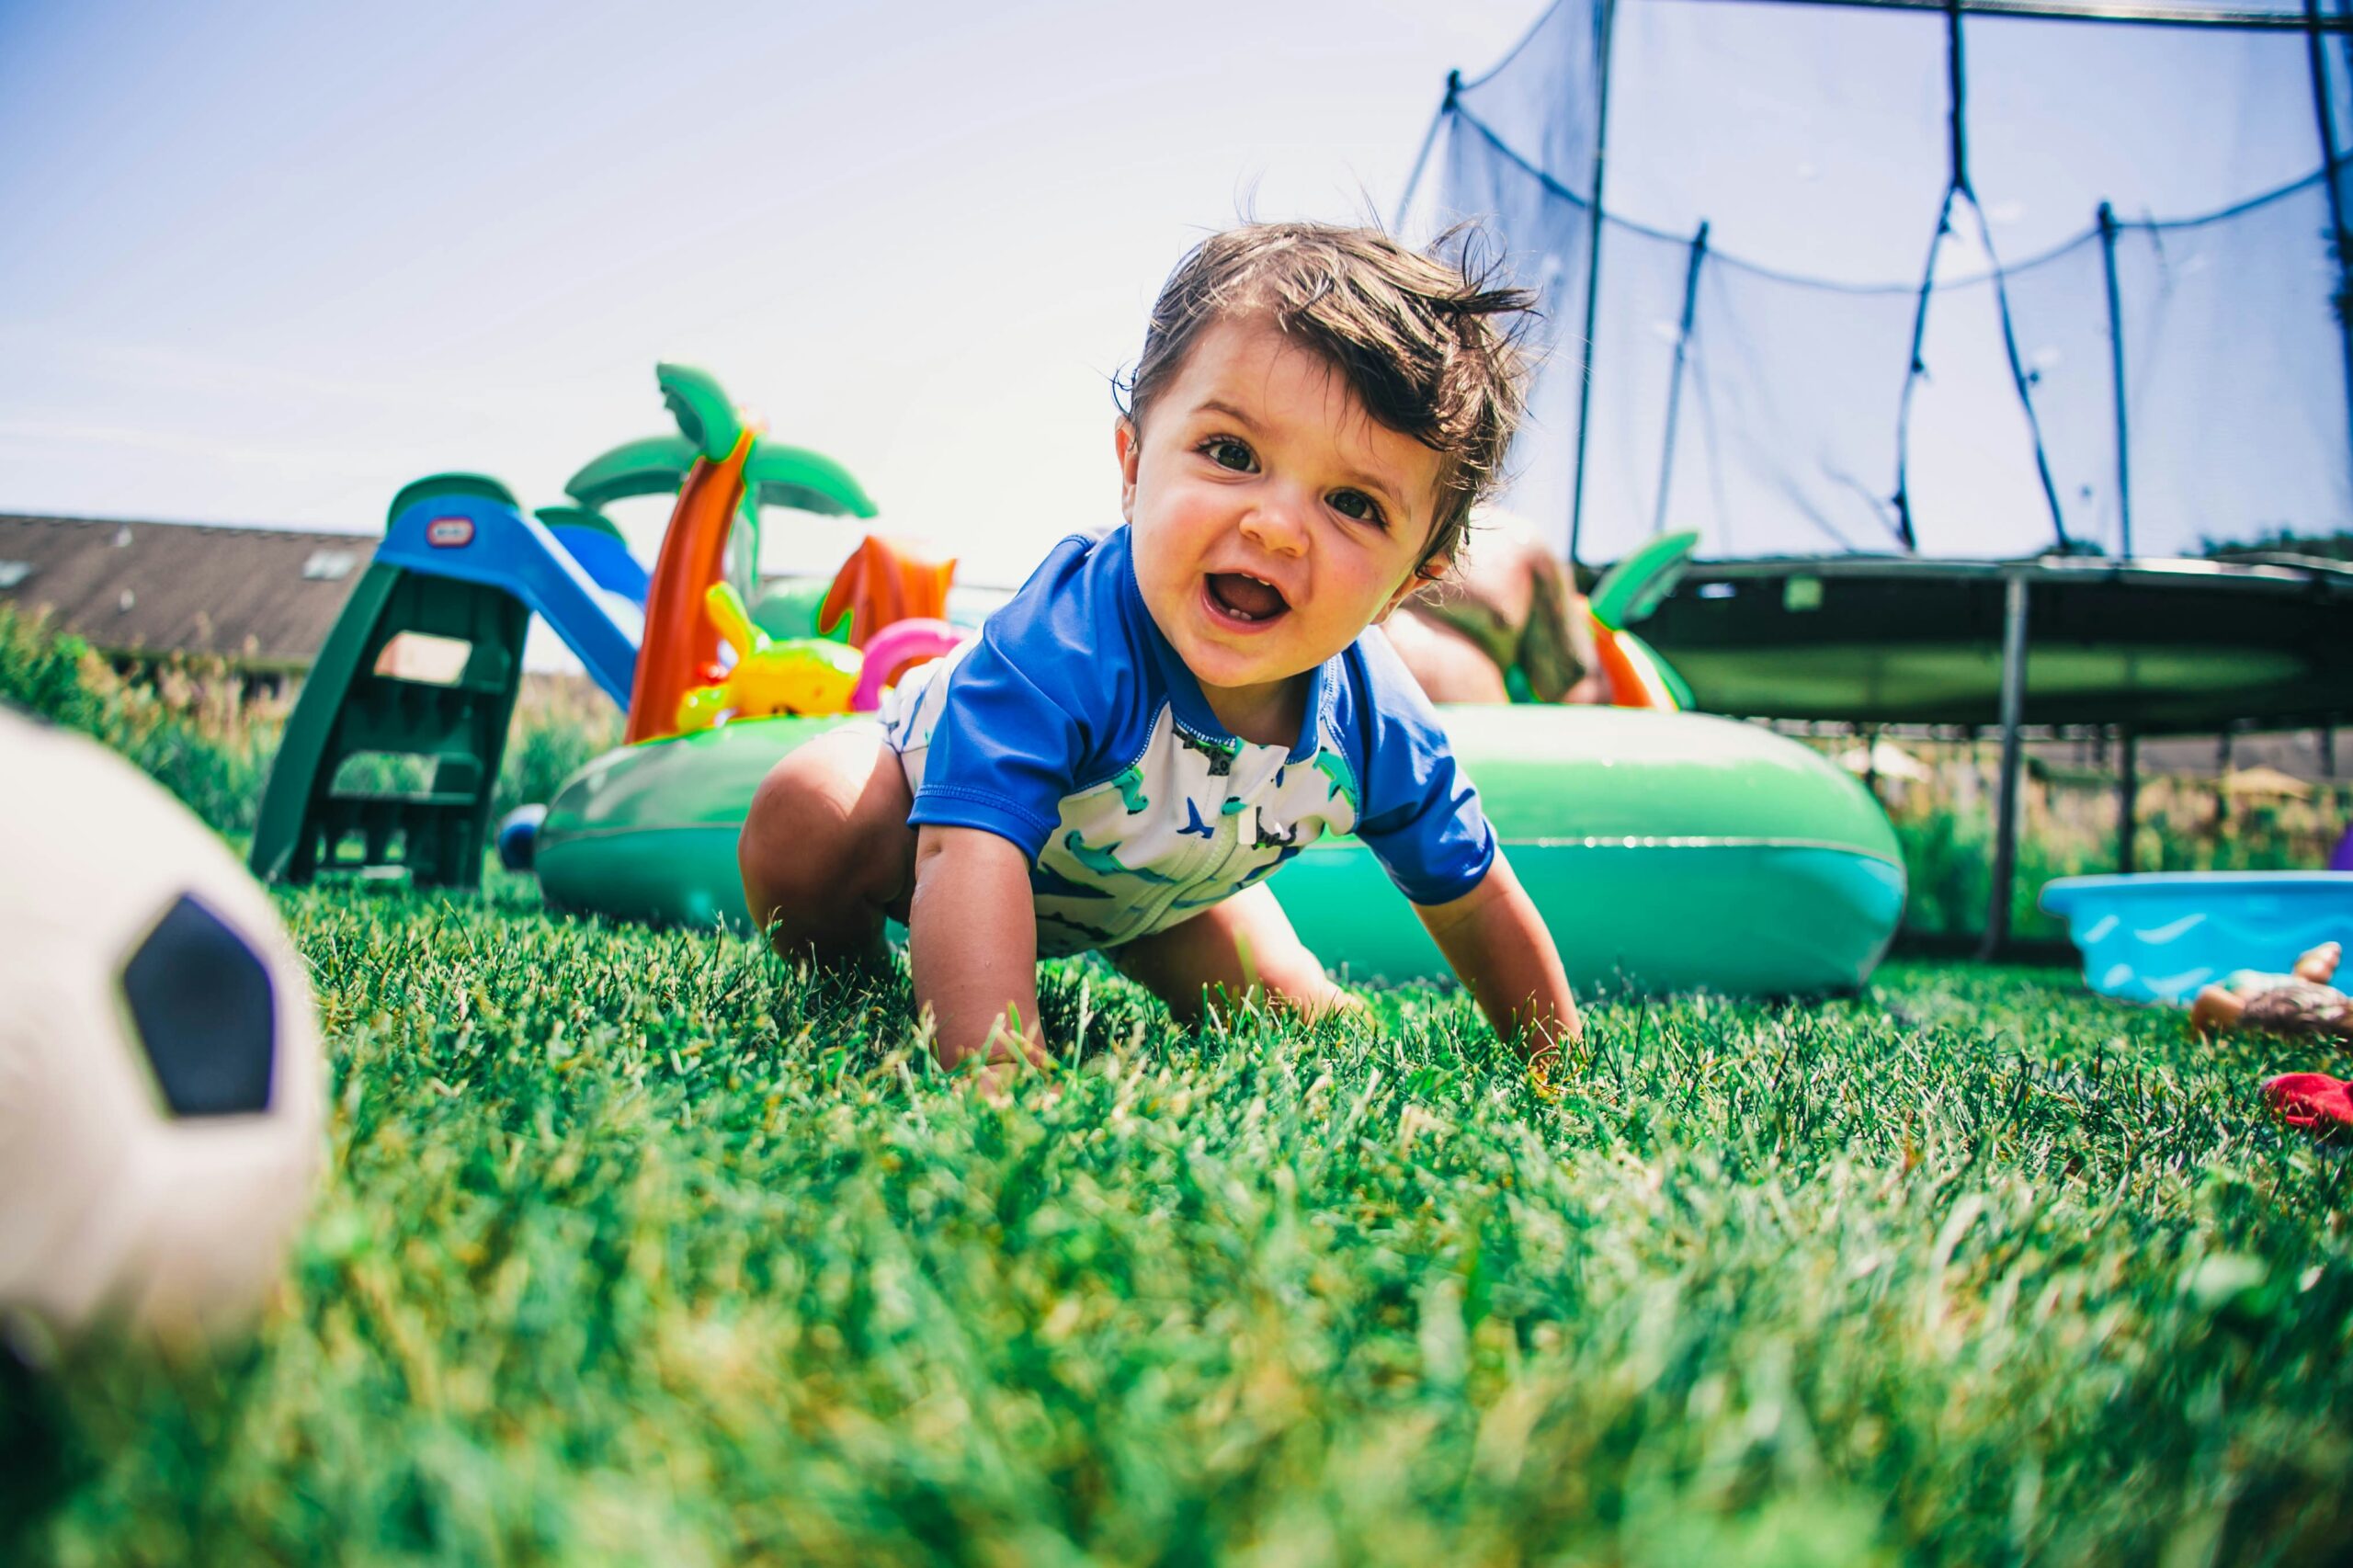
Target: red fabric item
{"x":2314,"y":1101}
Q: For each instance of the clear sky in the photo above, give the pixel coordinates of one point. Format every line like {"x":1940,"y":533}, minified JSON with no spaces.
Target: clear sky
{"x":264,"y":263}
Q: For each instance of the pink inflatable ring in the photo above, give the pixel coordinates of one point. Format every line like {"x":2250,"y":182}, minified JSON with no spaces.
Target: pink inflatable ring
{"x":896,"y":649}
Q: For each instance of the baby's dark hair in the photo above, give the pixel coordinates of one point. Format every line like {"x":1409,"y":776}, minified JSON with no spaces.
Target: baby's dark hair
{"x":1417,"y":340}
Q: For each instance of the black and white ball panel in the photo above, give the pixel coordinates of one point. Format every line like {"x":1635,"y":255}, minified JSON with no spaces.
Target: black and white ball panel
{"x":206,"y":1012}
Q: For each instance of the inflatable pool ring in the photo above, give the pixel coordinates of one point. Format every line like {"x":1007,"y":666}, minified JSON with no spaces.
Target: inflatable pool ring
{"x":898,"y":648}
{"x":1666,"y":851}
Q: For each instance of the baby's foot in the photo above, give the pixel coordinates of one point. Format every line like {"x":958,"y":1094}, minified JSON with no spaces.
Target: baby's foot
{"x":2319,"y":966}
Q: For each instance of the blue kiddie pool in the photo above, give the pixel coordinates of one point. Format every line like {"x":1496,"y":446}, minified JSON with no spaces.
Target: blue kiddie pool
{"x":2161,"y":937}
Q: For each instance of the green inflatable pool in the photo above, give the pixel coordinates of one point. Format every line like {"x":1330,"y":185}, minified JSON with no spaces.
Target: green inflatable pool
{"x":1666,"y":851}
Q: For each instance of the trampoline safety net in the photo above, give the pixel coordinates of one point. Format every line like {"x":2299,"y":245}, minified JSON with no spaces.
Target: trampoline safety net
{"x":1898,"y":278}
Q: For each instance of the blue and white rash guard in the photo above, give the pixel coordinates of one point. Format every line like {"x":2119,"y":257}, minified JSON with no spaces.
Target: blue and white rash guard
{"x":1071,"y":728}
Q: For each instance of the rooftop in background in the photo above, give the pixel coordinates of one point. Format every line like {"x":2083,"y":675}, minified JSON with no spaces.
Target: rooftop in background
{"x":261,"y":598}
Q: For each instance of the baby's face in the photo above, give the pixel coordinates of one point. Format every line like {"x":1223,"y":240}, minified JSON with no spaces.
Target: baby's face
{"x":1274,"y":517}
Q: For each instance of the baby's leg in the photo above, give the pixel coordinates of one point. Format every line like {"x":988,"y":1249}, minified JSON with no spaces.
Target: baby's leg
{"x":1446,"y":662}
{"x":1556,"y":648}
{"x":2215,"y":1010}
{"x":2319,"y":966}
{"x":1227,"y":947}
{"x":826,"y":853}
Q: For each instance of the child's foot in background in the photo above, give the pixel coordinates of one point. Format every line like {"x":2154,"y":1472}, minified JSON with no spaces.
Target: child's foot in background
{"x":2319,"y":966}
{"x":2215,"y":1010}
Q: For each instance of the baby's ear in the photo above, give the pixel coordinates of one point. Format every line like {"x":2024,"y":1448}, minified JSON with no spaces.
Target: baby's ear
{"x":1420,"y":577}
{"x":1127,"y":442}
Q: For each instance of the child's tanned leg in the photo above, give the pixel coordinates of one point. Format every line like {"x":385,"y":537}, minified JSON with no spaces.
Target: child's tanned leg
{"x":1445,"y":660}
{"x":2214,"y":1011}
{"x":826,"y":853}
{"x":1246,"y":939}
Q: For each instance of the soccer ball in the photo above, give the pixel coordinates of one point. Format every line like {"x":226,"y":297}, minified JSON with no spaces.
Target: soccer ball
{"x":161,"y":1088}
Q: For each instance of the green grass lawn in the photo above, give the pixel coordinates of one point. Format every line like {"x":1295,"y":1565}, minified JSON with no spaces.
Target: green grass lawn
{"x":639,"y":1247}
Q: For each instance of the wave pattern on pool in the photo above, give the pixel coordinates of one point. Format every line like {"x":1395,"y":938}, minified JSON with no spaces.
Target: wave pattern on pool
{"x":2162,"y":935}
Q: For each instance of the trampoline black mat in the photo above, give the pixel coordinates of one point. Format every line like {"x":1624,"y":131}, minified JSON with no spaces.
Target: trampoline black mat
{"x":2179,"y":647}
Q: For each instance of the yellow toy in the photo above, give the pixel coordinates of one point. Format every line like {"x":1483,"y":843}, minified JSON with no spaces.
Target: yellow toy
{"x":807,"y":674}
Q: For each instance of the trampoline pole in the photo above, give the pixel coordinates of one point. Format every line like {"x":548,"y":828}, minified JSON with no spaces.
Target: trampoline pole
{"x":2115,"y":375}
{"x":1956,"y":184}
{"x":1674,"y":377}
{"x":2330,"y":175}
{"x":1605,"y":18}
{"x":2006,"y":804}
{"x":2128,"y":796}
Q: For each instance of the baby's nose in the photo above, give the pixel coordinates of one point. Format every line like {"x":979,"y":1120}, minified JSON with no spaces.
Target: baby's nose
{"x":1277,"y":524}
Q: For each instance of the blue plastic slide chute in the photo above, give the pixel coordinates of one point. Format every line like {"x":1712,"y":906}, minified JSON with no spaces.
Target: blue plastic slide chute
{"x":474,"y":540}
{"x":606,"y":559}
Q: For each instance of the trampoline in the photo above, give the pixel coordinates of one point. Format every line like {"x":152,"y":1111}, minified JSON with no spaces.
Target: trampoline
{"x":2152,"y":647}
{"x":1955,"y":328}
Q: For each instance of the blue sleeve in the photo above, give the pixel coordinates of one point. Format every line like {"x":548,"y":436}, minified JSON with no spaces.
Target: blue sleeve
{"x":1022,"y":711}
{"x":1421,"y":817}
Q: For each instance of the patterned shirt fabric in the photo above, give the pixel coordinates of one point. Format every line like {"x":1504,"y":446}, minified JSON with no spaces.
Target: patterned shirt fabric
{"x":1071,"y":728}
{"x":2297,"y":1006}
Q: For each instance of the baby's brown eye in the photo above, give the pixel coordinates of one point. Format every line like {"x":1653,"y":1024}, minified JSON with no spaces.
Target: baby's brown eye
{"x":1356,"y":503}
{"x":1227,"y":453}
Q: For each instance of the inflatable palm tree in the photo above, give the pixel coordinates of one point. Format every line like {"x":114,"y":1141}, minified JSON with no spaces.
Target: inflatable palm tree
{"x":724,"y":469}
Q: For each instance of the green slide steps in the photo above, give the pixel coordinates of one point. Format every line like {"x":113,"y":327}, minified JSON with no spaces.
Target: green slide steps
{"x":348,"y":709}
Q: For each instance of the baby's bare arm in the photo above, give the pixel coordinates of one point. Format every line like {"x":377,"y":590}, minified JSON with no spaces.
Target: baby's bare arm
{"x":1499,"y":945}
{"x":972,"y":941}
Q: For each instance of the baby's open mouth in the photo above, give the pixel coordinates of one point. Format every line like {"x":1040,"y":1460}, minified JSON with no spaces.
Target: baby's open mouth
{"x":1246,"y":597}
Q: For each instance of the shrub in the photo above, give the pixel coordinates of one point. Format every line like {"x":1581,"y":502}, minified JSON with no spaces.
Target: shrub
{"x":191,"y":725}
{"x":188,"y":723}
